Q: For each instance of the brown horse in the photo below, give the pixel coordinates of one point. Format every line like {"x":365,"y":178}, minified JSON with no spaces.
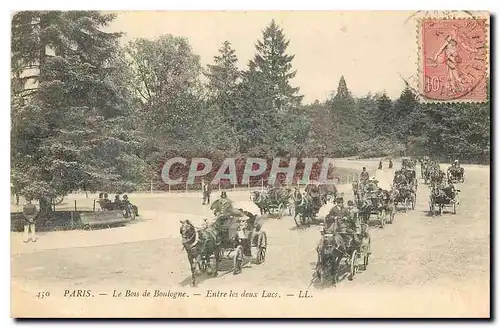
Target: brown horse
{"x":200,"y":245}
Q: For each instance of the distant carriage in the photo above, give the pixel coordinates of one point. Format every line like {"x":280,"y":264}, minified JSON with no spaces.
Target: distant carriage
{"x":324,"y":192}
{"x":308,"y":203}
{"x":456,"y":174}
{"x":404,"y":194}
{"x":440,"y":198}
{"x":275,"y":201}
{"x":372,"y":204}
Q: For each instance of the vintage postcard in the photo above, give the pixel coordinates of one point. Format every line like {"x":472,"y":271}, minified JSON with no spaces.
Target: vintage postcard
{"x":319,"y":164}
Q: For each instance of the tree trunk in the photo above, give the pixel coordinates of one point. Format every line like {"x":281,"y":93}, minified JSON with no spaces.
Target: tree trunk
{"x":45,"y":209}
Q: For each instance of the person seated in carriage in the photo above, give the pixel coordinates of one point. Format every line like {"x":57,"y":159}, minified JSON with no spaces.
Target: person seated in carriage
{"x":455,"y":164}
{"x":371,"y":186}
{"x":243,"y":237}
{"x":347,"y":223}
{"x":336,"y":213}
{"x":353,"y":213}
{"x":380,"y":193}
{"x":400,"y":179}
{"x":126,"y":202}
{"x":364,"y":176}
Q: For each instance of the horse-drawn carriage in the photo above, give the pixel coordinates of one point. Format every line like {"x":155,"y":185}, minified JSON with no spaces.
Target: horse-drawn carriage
{"x":308,"y":203}
{"x":456,"y":174}
{"x":342,"y":245}
{"x":372,"y":204}
{"x":443,"y":196}
{"x":232,"y":235}
{"x":370,"y":201}
{"x":404,"y":194}
{"x":274,"y":201}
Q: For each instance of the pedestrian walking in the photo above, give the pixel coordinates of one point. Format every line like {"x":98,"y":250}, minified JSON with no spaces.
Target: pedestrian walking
{"x":29,"y":212}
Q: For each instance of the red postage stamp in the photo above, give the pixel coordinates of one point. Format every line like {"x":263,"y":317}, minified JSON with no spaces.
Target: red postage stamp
{"x":453,"y":59}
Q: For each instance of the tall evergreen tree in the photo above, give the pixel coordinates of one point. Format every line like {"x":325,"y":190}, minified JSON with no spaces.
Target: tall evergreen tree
{"x":384,"y":117}
{"x":223,"y":77}
{"x":276,"y":66}
{"x":67,"y":130}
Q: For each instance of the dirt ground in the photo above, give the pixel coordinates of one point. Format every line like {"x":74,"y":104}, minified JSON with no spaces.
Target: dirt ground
{"x":421,"y":265}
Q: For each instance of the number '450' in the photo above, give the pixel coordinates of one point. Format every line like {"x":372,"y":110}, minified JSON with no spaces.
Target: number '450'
{"x":43,"y":294}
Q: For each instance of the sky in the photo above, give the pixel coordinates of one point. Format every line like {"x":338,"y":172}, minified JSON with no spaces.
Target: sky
{"x":373,"y":50}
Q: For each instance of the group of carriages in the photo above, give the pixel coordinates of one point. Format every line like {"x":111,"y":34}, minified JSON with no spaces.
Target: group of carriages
{"x":303,"y":206}
{"x":344,"y":242}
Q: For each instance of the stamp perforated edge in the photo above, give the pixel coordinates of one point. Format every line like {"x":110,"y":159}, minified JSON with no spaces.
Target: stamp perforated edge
{"x":419,"y":22}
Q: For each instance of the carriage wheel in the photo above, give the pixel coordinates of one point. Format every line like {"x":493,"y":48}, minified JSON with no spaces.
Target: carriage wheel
{"x":238,"y":260}
{"x":291,"y":209}
{"x":262,"y":248}
{"x":413,"y":200}
{"x":366,"y":254}
{"x":431,"y":206}
{"x":319,"y":268}
{"x":131,"y":213}
{"x":353,"y":265}
{"x":406,"y":204}
{"x":261,"y":255}
{"x":440,"y":209}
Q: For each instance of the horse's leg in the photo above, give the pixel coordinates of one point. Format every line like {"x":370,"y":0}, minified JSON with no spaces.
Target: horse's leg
{"x":192,"y":263}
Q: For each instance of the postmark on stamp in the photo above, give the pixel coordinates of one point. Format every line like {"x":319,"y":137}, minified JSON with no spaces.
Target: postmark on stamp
{"x":453,"y":60}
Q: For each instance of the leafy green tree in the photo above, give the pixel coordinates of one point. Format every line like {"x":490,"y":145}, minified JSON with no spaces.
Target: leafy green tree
{"x":166,"y":83}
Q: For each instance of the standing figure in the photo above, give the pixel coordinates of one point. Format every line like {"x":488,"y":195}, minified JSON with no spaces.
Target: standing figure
{"x":380,"y":165}
{"x":29,"y":212}
{"x":205,"y":188}
{"x":390,"y":163}
{"x":364,"y":176}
